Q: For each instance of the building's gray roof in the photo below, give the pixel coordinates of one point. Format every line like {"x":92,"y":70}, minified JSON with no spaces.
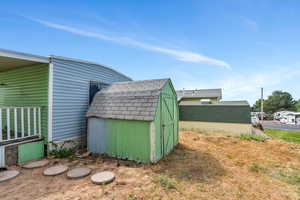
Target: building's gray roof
{"x":12,"y":59}
{"x":132,"y":100}
{"x":236,"y":103}
{"x":219,"y":103}
{"x":203,"y":93}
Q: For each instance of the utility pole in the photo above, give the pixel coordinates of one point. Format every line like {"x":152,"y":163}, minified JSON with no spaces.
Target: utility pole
{"x":262,"y":104}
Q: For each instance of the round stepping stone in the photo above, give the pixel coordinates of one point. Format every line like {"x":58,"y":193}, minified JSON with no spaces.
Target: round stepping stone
{"x":36,"y":164}
{"x":55,"y":170}
{"x":7,"y":175}
{"x":103,"y":177}
{"x":78,"y":173}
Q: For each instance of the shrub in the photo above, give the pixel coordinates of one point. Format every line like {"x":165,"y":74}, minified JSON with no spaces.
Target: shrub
{"x":60,"y":151}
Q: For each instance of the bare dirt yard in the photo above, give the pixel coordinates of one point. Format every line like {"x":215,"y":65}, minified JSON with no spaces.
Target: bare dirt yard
{"x":201,"y":167}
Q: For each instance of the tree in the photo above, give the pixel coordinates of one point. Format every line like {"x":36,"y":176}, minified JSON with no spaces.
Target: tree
{"x":256,"y":106}
{"x":297,"y":106}
{"x":278,"y":101}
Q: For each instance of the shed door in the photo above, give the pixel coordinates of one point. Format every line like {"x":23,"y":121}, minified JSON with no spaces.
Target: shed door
{"x":168,"y":123}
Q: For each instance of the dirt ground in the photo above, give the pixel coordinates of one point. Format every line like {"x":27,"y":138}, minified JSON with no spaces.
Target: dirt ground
{"x":201,"y":167}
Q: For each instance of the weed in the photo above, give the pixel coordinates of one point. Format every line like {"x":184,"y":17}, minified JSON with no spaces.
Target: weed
{"x":258,"y":138}
{"x":239,"y":194}
{"x":256,"y":168}
{"x":132,"y":197}
{"x":72,"y":157}
{"x":184,"y":129}
{"x":201,"y":188}
{"x":60,"y":151}
{"x":184,"y":174}
{"x":165,"y":182}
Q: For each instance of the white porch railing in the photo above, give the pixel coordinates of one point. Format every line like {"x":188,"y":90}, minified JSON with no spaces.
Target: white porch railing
{"x":19,"y":122}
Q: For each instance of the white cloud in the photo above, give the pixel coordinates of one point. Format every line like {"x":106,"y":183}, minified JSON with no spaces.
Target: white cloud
{"x":185,"y":56}
{"x":246,"y":85}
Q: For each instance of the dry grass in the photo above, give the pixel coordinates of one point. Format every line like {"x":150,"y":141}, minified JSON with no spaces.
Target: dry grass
{"x":201,"y":167}
{"x":216,"y":128}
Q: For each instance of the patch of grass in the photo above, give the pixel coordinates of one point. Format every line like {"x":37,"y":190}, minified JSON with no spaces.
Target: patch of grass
{"x":254,"y":167}
{"x":292,"y":177}
{"x":289,"y":136}
{"x":165,"y":182}
{"x":258,"y":138}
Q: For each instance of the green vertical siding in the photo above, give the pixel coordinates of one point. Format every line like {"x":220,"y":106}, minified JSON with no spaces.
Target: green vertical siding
{"x":166,"y":137}
{"x":27,"y":86}
{"x":30,"y":151}
{"x":216,"y":113}
{"x":128,"y":139}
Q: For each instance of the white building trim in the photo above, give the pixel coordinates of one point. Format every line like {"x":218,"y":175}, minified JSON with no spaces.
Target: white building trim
{"x":50,"y":102}
{"x":23,"y":56}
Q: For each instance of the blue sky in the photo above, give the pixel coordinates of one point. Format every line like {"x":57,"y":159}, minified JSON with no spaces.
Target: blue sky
{"x":235,"y":45}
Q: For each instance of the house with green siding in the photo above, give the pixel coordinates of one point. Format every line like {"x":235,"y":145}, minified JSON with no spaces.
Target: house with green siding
{"x":45,"y":99}
{"x":135,"y":120}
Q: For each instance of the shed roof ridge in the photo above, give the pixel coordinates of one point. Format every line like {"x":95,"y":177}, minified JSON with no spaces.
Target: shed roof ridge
{"x":137,"y":81}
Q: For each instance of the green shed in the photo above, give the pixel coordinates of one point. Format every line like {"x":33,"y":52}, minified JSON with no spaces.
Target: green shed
{"x":135,"y":120}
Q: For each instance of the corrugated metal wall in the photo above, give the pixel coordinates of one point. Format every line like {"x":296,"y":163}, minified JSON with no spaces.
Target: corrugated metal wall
{"x":71,"y":94}
{"x":27,"y":86}
{"x":217,"y":113}
{"x":126,"y":139}
{"x":97,"y":135}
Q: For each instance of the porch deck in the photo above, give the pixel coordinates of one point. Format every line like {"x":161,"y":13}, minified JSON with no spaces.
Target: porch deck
{"x":19,"y":123}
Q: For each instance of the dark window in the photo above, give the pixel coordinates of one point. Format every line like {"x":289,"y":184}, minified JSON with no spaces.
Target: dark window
{"x":96,"y":86}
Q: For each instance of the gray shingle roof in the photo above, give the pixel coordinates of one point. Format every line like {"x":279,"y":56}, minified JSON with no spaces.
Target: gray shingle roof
{"x":203,"y":93}
{"x":132,"y":100}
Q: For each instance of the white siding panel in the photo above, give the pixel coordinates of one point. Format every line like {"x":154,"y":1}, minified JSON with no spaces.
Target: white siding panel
{"x":71,"y":81}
